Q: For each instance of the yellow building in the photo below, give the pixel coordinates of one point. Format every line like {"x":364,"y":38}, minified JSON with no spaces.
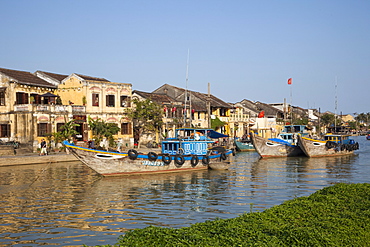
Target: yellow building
{"x":30,"y":107}
{"x":97,"y":98}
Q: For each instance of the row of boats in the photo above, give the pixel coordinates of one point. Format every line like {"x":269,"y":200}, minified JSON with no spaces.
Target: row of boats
{"x":296,"y":141}
{"x":194,"y":149}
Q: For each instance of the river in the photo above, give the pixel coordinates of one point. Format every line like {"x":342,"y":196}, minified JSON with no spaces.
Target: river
{"x":67,"y":204}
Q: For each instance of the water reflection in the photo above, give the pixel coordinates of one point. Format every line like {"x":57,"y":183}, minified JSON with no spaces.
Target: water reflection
{"x":68,"y":204}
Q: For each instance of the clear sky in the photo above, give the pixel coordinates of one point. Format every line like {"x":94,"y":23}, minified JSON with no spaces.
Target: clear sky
{"x":244,"y":49}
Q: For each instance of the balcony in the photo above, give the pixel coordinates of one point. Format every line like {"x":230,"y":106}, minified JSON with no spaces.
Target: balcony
{"x":46,"y":108}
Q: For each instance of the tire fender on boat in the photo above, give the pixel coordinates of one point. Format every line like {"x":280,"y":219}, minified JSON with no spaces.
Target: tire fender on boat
{"x":223,"y":156}
{"x":132,"y":154}
{"x":205,"y":160}
{"x":166,"y":158}
{"x":179,"y":159}
{"x":152,"y":156}
{"x":194,"y":161}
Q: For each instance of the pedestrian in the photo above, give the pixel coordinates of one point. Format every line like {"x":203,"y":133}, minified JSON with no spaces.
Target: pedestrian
{"x":119,"y":145}
{"x":43,"y":147}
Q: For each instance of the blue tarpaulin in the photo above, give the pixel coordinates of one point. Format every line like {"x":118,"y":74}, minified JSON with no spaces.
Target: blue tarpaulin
{"x":215,"y":134}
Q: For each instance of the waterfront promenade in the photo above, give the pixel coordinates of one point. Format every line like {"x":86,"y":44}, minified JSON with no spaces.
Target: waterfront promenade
{"x":34,"y":158}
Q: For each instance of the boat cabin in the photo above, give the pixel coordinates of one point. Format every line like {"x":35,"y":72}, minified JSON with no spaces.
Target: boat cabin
{"x":343,"y":139}
{"x":302,"y":129}
{"x":189,"y":141}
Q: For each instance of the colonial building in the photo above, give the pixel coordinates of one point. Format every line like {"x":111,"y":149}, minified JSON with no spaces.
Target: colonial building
{"x":26,"y":107}
{"x":97,"y":98}
{"x":35,"y":105}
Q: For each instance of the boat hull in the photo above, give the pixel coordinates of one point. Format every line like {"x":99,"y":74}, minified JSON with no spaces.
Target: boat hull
{"x":116,"y":164}
{"x":317,"y":148}
{"x":270,"y":149}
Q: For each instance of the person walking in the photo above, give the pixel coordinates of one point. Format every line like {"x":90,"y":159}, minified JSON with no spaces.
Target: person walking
{"x":119,"y":145}
{"x":43,"y":147}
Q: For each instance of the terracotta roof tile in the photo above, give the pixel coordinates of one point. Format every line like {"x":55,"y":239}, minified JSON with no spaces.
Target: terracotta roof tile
{"x":27,"y":78}
{"x":90,"y":78}
{"x":57,"y":77}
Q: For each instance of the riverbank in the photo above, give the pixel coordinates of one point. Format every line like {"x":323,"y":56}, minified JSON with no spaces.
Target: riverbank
{"x":338,"y":215}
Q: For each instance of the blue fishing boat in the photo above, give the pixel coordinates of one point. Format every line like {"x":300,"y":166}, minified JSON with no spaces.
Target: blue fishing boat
{"x":244,"y":144}
{"x":190,"y":149}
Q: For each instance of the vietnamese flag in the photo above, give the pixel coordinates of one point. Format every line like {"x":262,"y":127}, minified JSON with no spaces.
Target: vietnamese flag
{"x":289,"y":81}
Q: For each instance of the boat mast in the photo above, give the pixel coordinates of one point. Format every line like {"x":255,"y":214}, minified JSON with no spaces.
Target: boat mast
{"x":209,"y":105}
{"x":186,"y":90}
{"x":336,"y":105}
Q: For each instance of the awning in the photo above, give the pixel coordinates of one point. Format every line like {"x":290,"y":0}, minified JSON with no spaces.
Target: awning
{"x":48,"y":95}
{"x":215,"y":134}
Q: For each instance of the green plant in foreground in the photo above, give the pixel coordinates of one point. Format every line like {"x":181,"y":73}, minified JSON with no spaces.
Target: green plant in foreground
{"x":338,"y":215}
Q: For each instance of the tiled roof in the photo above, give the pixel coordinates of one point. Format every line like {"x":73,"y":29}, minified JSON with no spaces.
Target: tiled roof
{"x":90,"y":78}
{"x":159,"y":98}
{"x":57,"y":77}
{"x":200,"y":105}
{"x":27,"y":78}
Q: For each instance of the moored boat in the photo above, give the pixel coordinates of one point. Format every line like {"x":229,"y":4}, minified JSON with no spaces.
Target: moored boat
{"x":244,"y":145}
{"x":267,"y":148}
{"x":332,"y":145}
{"x":189,"y":150}
{"x":285,"y":145}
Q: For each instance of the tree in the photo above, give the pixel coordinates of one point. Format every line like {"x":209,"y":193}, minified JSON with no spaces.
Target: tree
{"x":68,"y":130}
{"x":101,"y":130}
{"x":217,"y":123}
{"x":328,"y":119}
{"x":146,"y":115}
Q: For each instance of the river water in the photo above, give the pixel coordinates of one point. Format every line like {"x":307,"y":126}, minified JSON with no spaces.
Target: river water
{"x":67,"y":204}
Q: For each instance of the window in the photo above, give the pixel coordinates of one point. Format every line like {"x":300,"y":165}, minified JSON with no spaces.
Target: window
{"x":125,"y":101}
{"x":43,"y":129}
{"x":126,"y":129}
{"x":59,"y":126}
{"x":95,"y":99}
{"x":110,"y":101}
{"x":21,"y":98}
{"x":4,"y":130}
{"x":2,"y":98}
{"x":222,"y":112}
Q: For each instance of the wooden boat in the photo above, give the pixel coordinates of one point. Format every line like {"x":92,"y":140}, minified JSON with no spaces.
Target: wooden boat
{"x":285,"y":145}
{"x":244,"y":145}
{"x":267,"y":148}
{"x":187,"y":151}
{"x":332,"y":145}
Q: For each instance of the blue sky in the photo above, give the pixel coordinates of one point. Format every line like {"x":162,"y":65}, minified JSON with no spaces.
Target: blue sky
{"x":244,"y":49}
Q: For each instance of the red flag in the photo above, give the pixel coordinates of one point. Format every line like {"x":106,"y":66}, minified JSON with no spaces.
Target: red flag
{"x":261,"y":114}
{"x":289,"y":81}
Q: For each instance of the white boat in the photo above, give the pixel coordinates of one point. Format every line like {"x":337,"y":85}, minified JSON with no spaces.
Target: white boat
{"x":189,"y":150}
